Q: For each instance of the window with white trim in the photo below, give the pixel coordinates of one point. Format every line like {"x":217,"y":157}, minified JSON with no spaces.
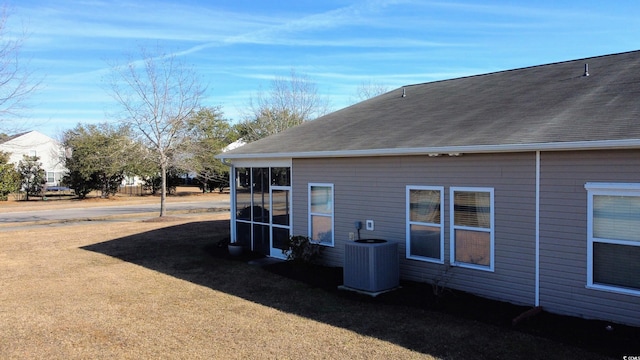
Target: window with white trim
{"x":321,"y":213}
{"x":472,"y":227}
{"x":425,"y":223}
{"x":613,"y":237}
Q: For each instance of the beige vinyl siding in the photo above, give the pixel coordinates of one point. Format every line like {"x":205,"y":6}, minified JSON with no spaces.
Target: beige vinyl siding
{"x":563,"y":232}
{"x":375,"y":188}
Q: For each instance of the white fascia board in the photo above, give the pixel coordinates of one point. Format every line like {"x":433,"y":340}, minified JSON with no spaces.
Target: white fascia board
{"x":263,"y":162}
{"x":445,"y":151}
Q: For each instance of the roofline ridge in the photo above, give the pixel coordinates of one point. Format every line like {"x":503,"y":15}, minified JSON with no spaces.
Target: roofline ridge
{"x":14,"y":136}
{"x":521,"y":68}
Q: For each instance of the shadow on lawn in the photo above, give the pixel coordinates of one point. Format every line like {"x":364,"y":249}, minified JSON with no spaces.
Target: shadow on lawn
{"x":411,"y":317}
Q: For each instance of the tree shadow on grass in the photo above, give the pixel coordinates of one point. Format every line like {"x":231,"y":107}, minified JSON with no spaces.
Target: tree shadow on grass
{"x":411,"y":317}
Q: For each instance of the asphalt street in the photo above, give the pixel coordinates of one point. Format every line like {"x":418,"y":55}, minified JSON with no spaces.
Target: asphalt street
{"x":107,"y":212}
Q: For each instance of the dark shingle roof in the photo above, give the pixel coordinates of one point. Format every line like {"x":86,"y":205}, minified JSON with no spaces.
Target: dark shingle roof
{"x":11,"y":137}
{"x":545,"y":104}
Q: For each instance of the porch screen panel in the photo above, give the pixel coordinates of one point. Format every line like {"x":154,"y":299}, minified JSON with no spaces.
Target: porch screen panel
{"x":258,"y":225}
{"x":261,"y":238}
{"x":243,"y":233}
{"x":280,"y":210}
{"x":243,"y":194}
{"x":281,"y":176}
{"x":280,"y":238}
{"x":260,"y":178}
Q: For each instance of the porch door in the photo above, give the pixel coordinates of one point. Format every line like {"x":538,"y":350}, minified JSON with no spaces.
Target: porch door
{"x":280,"y":219}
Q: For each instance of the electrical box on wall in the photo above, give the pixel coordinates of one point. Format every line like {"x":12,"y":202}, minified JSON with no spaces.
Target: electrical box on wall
{"x":369,"y":225}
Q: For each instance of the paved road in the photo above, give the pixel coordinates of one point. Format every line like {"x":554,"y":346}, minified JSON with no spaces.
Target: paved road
{"x":107,"y":211}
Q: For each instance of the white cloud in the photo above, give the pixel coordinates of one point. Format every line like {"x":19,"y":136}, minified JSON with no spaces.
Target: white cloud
{"x":241,"y":47}
{"x":136,"y":20}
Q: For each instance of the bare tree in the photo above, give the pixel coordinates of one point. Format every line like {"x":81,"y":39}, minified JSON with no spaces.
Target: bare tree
{"x":157,"y":96}
{"x":290,"y":101}
{"x":16,"y":81}
{"x":368,"y":89}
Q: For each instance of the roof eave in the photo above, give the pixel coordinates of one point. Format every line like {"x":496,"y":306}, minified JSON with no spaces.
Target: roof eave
{"x":446,"y":150}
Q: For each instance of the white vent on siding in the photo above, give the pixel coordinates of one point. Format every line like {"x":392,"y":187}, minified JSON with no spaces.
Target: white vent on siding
{"x":371,"y":265}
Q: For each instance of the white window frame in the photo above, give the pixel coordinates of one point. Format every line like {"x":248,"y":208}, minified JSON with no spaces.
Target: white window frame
{"x":409,"y":223}
{"x":612,"y":189}
{"x":311,"y":214}
{"x":233,"y":192}
{"x":453,"y":228}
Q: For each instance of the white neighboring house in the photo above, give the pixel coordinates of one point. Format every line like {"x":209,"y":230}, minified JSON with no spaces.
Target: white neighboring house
{"x":132,"y":181}
{"x":234,"y":145}
{"x":33,"y":143}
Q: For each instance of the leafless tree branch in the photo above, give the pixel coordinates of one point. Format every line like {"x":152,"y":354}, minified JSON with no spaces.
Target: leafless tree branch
{"x":156,"y":96}
{"x":17,"y":83}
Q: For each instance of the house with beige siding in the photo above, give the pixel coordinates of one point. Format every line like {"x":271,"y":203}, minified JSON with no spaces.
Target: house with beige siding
{"x":519,"y":185}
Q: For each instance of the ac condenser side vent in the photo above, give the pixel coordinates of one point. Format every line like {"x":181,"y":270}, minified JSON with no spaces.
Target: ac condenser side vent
{"x":371,"y":266}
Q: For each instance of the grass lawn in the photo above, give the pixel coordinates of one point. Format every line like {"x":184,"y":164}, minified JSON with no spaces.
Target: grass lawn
{"x":164,"y":290}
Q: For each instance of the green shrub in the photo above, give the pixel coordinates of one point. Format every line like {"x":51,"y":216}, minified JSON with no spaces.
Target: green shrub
{"x":302,"y":249}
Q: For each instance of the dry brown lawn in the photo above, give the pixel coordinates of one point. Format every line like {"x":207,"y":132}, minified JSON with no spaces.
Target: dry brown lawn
{"x":61,"y":299}
{"x":150,"y":290}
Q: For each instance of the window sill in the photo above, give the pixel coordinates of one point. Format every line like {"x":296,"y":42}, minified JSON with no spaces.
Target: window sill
{"x":323,"y":244}
{"x":426,"y":259}
{"x":613,"y":289}
{"x":472,"y":266}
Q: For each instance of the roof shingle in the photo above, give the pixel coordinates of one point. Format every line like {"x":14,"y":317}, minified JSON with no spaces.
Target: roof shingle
{"x":544,"y":104}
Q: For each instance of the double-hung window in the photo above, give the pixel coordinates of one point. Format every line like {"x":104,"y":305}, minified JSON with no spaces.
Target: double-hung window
{"x":472,"y":227}
{"x":613,"y":237}
{"x":425,"y":235}
{"x":321,"y":213}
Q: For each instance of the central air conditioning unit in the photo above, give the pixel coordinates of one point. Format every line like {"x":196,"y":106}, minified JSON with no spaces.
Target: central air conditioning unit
{"x":371,"y":266}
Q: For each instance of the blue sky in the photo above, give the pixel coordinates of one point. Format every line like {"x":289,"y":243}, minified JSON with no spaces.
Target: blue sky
{"x":239,"y":46}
